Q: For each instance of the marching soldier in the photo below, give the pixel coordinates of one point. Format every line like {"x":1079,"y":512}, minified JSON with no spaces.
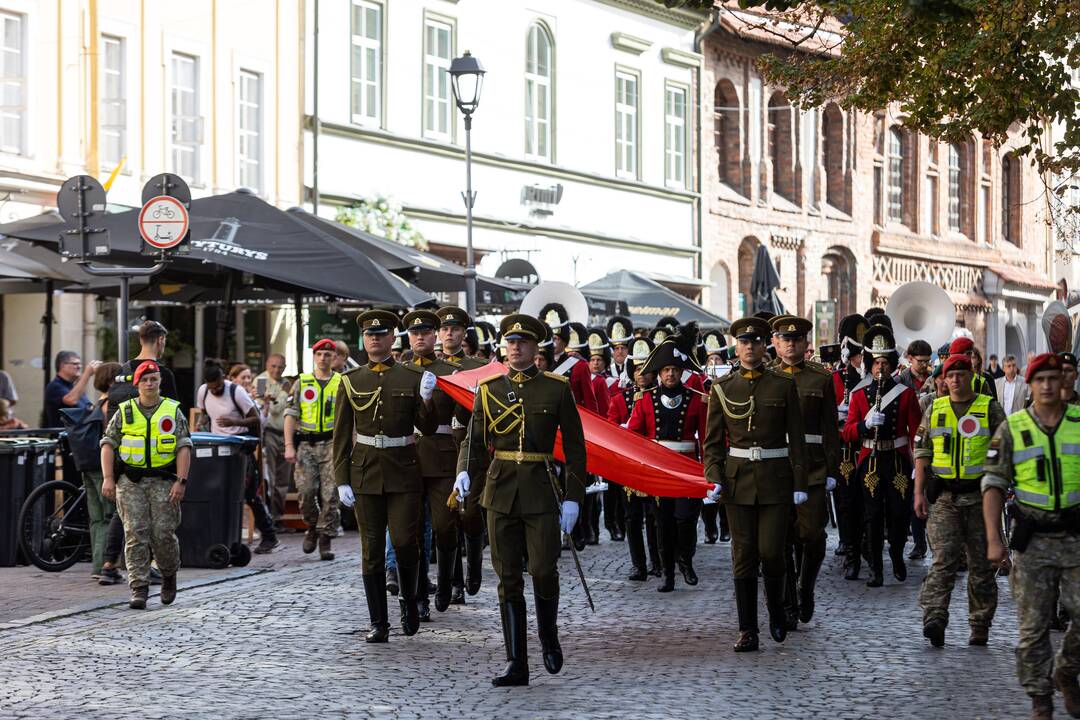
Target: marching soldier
{"x":453,"y":327}
{"x":606,"y":388}
{"x":673,"y":415}
{"x":847,"y":379}
{"x":884,"y":416}
{"x":518,"y":415}
{"x":150,"y":436}
{"x":713,"y":358}
{"x":818,"y":403}
{"x":950,"y":454}
{"x":620,"y":331}
{"x":755,"y":456}
{"x":375,"y":462}
{"x":309,"y":432}
{"x":1035,"y":455}
{"x":438,"y":458}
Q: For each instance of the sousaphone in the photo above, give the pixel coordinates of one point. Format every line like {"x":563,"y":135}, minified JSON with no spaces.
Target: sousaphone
{"x":553,"y":291}
{"x":921,"y":311}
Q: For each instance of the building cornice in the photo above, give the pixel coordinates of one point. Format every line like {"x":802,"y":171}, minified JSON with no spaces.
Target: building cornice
{"x":681,"y":58}
{"x":679,"y":17}
{"x":428,"y":147}
{"x":490,"y":223}
{"x":629,"y":43}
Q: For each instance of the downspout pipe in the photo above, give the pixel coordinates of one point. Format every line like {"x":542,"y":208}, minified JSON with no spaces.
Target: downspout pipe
{"x":707,"y":29}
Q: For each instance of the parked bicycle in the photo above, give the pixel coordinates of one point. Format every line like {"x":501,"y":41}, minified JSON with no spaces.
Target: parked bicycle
{"x":54,"y":526}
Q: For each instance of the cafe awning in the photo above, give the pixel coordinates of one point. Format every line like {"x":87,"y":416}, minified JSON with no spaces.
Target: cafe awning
{"x":648,"y":300}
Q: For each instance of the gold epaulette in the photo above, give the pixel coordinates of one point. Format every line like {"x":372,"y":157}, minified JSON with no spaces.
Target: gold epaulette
{"x":638,"y":395}
{"x":780,"y":373}
{"x":557,"y":377}
{"x":490,"y":378}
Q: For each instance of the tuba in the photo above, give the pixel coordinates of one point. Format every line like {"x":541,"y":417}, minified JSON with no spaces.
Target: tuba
{"x":553,"y":291}
{"x":1057,"y":325}
{"x":921,"y":311}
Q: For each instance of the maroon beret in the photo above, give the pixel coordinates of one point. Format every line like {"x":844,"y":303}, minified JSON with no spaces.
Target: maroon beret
{"x":961,"y":345}
{"x":149,"y":366}
{"x":324,"y":344}
{"x":1046,"y":361}
{"x":957,"y":362}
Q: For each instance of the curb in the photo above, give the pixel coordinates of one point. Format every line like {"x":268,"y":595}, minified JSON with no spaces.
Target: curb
{"x":235,"y":574}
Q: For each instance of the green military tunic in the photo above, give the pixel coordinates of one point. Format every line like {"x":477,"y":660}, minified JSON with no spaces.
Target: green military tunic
{"x":756,"y":409}
{"x":471,"y":517}
{"x":438,"y":456}
{"x":518,"y":415}
{"x":381,"y":402}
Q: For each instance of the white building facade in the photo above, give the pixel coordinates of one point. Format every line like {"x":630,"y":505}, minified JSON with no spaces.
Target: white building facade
{"x":584,"y":142}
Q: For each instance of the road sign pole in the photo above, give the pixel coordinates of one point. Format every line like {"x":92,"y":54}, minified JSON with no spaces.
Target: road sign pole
{"x":122,"y":318}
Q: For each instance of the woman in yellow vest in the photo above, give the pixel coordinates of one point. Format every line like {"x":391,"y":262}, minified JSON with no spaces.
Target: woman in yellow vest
{"x":150,"y":436}
{"x":950,"y":454}
{"x":1035,"y":454}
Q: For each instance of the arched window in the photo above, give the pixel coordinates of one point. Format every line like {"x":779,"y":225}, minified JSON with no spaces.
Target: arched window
{"x":780,"y":147}
{"x":539,"y":70}
{"x":838,"y":280}
{"x":832,"y":130}
{"x":747,"y":252}
{"x":957,"y":183}
{"x":1010,"y":198}
{"x":896,"y":159}
{"x":720,"y":292}
{"x":727,"y":134}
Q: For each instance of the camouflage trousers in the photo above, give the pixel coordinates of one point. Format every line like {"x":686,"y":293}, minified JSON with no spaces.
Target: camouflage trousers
{"x":956,"y":527}
{"x":314,"y":477}
{"x":1047,"y":562}
{"x":150,"y":523}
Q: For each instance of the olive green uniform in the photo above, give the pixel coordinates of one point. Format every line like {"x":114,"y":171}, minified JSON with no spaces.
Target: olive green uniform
{"x":472,"y":518}
{"x":522,"y":508}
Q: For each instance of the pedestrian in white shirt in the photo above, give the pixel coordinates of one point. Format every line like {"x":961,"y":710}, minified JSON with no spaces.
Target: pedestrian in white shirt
{"x":1012,"y":391}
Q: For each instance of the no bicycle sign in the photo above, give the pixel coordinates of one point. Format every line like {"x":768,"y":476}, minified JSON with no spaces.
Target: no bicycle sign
{"x":163,"y":222}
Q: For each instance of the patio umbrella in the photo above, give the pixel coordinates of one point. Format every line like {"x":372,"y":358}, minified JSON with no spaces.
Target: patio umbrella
{"x":764,"y":282}
{"x":648,"y":300}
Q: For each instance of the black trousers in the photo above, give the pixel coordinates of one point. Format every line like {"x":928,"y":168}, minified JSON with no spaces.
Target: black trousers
{"x":885,"y":511}
{"x":640,"y":513}
{"x":677,"y":531}
{"x":615,"y":509}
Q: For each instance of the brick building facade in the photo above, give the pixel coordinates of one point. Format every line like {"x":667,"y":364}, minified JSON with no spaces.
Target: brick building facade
{"x":851,"y":205}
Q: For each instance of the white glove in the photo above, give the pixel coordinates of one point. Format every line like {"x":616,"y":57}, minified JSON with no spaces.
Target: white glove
{"x":625,"y":425}
{"x":874,"y":419}
{"x":830,"y":484}
{"x":714,"y":494}
{"x":800,"y":497}
{"x":427,"y":385}
{"x":461,"y":485}
{"x":568,"y":516}
{"x":597,"y":487}
{"x":345,"y":495}
{"x":842,"y":409}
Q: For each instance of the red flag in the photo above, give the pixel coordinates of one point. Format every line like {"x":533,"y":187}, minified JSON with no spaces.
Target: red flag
{"x":612,"y":452}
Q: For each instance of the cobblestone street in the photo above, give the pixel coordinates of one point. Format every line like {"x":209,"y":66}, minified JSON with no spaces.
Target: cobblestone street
{"x":289,"y":643}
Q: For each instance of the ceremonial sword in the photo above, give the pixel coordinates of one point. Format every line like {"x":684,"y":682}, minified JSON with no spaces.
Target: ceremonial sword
{"x":573,"y":550}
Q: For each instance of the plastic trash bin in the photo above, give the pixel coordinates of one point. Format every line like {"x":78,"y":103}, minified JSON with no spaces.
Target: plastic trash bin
{"x":38,"y":467}
{"x":13,"y":456}
{"x":212,"y":512}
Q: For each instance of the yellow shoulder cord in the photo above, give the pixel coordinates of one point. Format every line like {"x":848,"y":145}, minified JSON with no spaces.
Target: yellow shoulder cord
{"x":499,"y":424}
{"x":727,"y":404}
{"x":371,"y":396}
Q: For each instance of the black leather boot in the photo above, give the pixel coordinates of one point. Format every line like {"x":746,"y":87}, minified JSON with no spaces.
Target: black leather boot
{"x":687,"y":534}
{"x":899,"y":567}
{"x":474,"y":550}
{"x":708,"y":516}
{"x":746,"y":604}
{"x":774,"y":603}
{"x":444,"y":580}
{"x":636,"y":543}
{"x":877,"y":572}
{"x":791,"y":594}
{"x":375,"y":592}
{"x":812,"y":559}
{"x":721,"y":517}
{"x":875,"y":545}
{"x":410,"y":611}
{"x":547,"y":613}
{"x":517,"y":660}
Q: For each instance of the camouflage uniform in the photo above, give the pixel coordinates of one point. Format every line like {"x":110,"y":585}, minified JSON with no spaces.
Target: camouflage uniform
{"x":314,"y":477}
{"x":955,"y":525}
{"x":1052,"y":559}
{"x":150,"y":520}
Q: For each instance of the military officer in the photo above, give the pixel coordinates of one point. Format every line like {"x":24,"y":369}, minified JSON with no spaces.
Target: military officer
{"x":755,"y":456}
{"x":1035,"y":454}
{"x":518,"y":415}
{"x":453,"y":327}
{"x":950,"y":453}
{"x":376,"y":465}
{"x":309,"y":429}
{"x":673,"y":415}
{"x":817,"y":400}
{"x":438,"y":460}
{"x":150,"y":436}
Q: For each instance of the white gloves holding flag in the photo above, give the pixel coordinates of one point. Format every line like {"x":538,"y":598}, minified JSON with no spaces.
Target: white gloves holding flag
{"x":874,"y":419}
{"x":714,"y":494}
{"x":800,"y":497}
{"x":461,"y":486}
{"x":597,"y":487}
{"x":345,"y":495}
{"x":568,"y":516}
{"x":830,"y":484}
{"x":427,"y":385}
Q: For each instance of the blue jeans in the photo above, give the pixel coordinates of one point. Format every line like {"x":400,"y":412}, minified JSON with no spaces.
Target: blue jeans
{"x":391,"y":556}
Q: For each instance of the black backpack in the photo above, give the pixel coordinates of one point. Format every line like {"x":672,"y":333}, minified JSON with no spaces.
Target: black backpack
{"x":85,"y":426}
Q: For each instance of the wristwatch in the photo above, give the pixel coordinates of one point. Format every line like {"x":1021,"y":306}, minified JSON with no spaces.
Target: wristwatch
{"x":182,"y":481}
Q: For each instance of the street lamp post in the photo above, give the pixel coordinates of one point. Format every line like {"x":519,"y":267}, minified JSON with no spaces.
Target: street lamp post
{"x":467,"y":78}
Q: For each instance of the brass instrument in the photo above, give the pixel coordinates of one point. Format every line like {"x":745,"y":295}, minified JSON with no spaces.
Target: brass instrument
{"x":871,"y":478}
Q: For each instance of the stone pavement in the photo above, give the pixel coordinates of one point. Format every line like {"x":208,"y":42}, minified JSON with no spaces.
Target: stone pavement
{"x":289,"y":642}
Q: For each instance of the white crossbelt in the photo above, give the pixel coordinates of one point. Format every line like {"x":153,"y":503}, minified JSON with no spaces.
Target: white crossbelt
{"x":384,"y":441}
{"x":814,"y":439}
{"x":884,"y":444}
{"x":758,"y":453}
{"x":682,"y":446}
{"x":444,"y":430}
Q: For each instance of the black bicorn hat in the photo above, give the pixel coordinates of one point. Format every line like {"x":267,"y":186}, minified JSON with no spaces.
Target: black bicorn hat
{"x":851,"y":331}
{"x":677,"y":350}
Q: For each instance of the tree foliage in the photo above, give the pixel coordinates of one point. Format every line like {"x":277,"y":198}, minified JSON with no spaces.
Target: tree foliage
{"x":953,"y":67}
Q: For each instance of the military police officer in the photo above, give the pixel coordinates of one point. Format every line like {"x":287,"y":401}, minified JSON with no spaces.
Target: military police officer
{"x":376,"y":464}
{"x":518,"y":414}
{"x":817,"y":400}
{"x":755,"y":456}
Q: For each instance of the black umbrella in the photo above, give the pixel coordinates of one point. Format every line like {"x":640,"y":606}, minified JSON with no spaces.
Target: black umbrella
{"x":241,"y":232}
{"x":764,"y":282}
{"x":425,"y":270}
{"x":648,"y":300}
